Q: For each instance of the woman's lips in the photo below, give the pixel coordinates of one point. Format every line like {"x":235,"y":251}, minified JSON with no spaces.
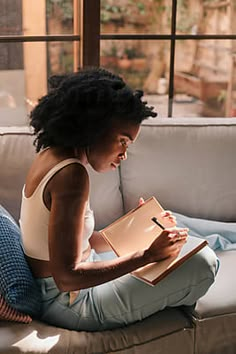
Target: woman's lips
{"x":114,"y":165}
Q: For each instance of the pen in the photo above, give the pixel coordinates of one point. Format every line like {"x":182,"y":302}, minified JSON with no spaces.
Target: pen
{"x":154,"y":219}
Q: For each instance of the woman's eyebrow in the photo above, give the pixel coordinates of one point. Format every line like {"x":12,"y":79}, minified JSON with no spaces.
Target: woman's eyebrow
{"x":127,"y":135}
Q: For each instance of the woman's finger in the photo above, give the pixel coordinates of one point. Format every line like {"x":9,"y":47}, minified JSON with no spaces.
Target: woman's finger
{"x":166,"y":213}
{"x":141,"y":201}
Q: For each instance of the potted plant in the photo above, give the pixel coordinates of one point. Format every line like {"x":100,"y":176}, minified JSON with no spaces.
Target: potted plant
{"x":132,"y":59}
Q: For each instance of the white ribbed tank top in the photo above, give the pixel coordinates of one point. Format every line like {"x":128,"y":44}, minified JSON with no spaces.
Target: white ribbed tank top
{"x":34,"y":225}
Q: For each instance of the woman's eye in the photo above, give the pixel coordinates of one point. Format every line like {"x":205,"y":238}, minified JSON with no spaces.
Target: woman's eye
{"x":124,"y":143}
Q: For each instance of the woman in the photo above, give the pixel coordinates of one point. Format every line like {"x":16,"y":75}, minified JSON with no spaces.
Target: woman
{"x":91,"y":117}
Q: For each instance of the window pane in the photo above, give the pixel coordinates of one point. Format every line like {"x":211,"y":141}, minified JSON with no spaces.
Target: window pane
{"x":12,"y":98}
{"x":11,"y":17}
{"x":204,"y":17}
{"x":143,"y":64}
{"x":60,"y":14}
{"x":60,"y":57}
{"x":11,"y":56}
{"x":130,"y":16}
{"x":22,"y":85}
{"x":37,"y":17}
{"x":203,"y":72}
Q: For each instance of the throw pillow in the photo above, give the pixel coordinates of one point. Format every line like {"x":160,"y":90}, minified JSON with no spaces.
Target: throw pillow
{"x":7,"y":313}
{"x":17,"y":285}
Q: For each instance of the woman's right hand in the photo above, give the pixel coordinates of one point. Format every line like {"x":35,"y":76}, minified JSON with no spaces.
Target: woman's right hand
{"x":167,"y":244}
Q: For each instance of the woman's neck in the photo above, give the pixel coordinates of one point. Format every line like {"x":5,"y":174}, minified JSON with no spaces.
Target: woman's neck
{"x":81,"y":154}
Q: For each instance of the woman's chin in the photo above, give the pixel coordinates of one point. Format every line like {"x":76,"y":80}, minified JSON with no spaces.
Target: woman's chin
{"x":104,"y":168}
{"x":111,"y":167}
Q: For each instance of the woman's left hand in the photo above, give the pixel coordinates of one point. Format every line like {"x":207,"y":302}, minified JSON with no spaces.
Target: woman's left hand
{"x":141,"y":201}
{"x":166,"y":214}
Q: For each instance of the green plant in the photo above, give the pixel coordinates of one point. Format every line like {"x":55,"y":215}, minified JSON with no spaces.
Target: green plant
{"x":110,"y":11}
{"x":185,"y":20}
{"x":132,"y":52}
{"x":65,"y":5}
{"x":140,"y":6}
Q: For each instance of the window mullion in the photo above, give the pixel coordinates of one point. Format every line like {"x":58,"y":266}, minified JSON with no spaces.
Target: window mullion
{"x":89,"y":33}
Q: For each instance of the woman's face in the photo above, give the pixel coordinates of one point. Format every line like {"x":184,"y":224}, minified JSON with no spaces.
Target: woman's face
{"x":111,"y":148}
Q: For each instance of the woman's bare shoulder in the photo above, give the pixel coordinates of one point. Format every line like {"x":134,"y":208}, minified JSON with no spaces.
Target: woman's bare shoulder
{"x":73,"y":176}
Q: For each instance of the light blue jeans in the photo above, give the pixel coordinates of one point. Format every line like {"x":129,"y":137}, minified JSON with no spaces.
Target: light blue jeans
{"x":126,"y":300}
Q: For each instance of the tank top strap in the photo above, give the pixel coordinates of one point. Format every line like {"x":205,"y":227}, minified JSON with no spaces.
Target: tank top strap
{"x":53,"y":171}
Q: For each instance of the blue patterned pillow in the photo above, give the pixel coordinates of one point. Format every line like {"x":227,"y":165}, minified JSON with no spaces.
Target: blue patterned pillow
{"x":17,"y":284}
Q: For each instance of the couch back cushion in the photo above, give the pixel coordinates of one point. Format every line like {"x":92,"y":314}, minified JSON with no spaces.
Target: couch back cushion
{"x":16,"y":154}
{"x":188,"y":164}
{"x":105,"y":197}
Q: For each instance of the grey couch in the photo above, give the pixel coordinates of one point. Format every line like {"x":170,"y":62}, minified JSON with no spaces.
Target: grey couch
{"x":189,"y":165}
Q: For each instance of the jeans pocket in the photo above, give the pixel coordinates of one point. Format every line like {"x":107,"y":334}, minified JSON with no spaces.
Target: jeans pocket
{"x":48,"y":288}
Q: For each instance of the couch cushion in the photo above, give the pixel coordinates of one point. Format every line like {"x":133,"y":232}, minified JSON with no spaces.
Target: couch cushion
{"x":17,"y":284}
{"x":148,"y":336}
{"x":221,"y":297}
{"x":215,"y":313}
{"x":105,"y":197}
{"x":187,"y":164}
{"x":216,"y":335}
{"x":8,"y":313}
{"x":16,"y":154}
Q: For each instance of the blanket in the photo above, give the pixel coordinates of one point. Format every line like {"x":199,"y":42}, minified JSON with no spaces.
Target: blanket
{"x":220,"y":235}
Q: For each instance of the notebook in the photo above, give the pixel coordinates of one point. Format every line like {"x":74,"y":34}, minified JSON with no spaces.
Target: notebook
{"x":136,"y":230}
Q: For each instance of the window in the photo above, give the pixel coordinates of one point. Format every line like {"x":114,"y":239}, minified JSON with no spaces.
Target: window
{"x":185,"y":49}
{"x":38,"y":39}
{"x":180,"y":52}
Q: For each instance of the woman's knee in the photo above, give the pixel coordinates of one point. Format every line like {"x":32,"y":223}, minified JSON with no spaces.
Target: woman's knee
{"x":203,"y":268}
{"x":207,"y":263}
{"x":201,"y":272}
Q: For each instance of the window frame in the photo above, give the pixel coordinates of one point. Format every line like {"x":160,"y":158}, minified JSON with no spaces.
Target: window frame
{"x":89,"y":37}
{"x":88,"y":11}
{"x":172,"y":37}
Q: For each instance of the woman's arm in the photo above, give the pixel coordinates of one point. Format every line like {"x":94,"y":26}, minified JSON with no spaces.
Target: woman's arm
{"x":87,"y":274}
{"x":69,"y":195}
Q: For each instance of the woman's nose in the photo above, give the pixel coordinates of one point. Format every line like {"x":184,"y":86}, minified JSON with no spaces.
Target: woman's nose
{"x":123,"y":156}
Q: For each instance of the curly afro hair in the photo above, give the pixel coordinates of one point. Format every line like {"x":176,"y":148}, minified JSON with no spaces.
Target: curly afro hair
{"x":81,"y":106}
